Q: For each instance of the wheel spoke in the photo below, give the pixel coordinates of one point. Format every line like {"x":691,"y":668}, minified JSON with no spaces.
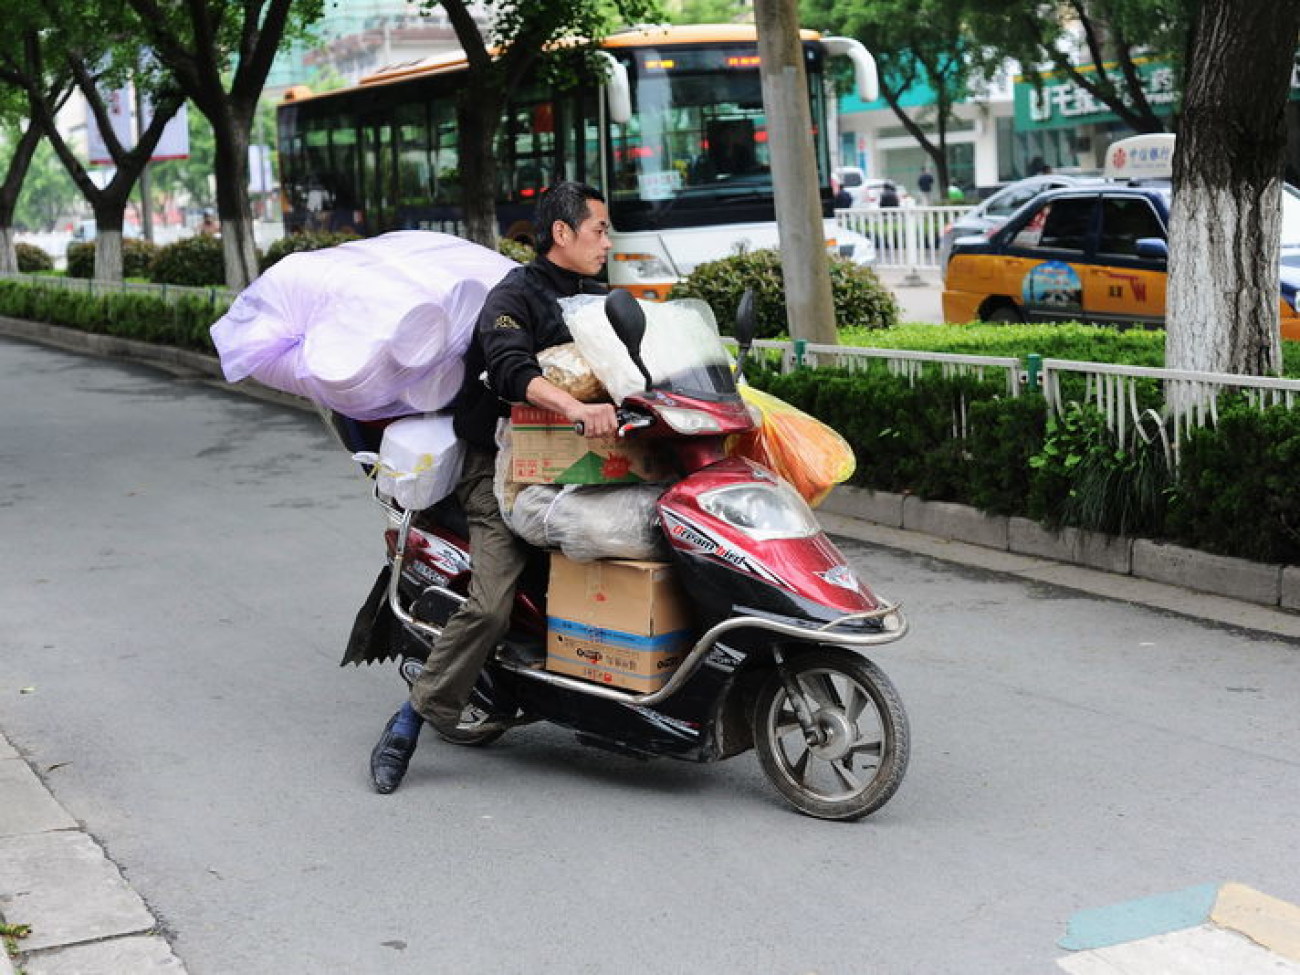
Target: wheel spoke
{"x":787,"y":722}
{"x":800,"y":767}
{"x":857,"y":703}
{"x":862,"y":746}
{"x":846,"y":775}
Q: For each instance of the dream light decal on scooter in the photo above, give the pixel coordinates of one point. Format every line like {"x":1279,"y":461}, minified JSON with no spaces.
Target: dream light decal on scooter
{"x":685,"y":535}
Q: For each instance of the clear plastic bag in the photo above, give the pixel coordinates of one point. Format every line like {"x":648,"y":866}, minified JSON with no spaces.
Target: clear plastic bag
{"x":801,"y":448}
{"x":591,"y":521}
{"x":564,"y":366}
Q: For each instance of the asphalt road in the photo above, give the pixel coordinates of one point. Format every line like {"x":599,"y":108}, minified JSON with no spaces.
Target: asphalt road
{"x":181,"y":566}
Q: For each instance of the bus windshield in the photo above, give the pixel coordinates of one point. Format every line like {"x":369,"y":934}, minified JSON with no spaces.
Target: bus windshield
{"x":695,"y":150}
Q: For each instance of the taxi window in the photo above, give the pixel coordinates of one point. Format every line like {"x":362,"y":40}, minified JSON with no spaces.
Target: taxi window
{"x":1007,"y":203}
{"x":1125,"y":221}
{"x":1061,"y":225}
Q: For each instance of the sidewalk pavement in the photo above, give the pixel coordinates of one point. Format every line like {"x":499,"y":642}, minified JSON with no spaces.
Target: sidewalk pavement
{"x":86,"y":919}
{"x":919,"y":293}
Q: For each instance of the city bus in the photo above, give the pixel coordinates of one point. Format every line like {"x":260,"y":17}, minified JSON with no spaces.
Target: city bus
{"x":674,"y":135}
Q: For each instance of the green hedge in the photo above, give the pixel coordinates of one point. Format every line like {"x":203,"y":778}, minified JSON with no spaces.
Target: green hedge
{"x":861,"y":301}
{"x":32,"y":258}
{"x":196,"y":261}
{"x":137,"y":258}
{"x":304,"y":241}
{"x":183,"y":321}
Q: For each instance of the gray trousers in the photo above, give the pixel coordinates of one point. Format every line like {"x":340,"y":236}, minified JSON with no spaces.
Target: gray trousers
{"x":441,"y":692}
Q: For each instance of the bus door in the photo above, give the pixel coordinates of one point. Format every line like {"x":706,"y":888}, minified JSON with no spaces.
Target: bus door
{"x":378,"y":174}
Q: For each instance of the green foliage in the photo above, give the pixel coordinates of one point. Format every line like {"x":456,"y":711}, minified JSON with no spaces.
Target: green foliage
{"x":182,"y":321}
{"x":81,"y":260}
{"x":32,"y":258}
{"x":306,"y":241}
{"x":47,"y":193}
{"x":137,"y":257}
{"x":1089,"y":343}
{"x":1085,"y":478}
{"x":195,"y":261}
{"x":1238,"y":493}
{"x":861,"y":301}
{"x":902,"y":431}
{"x":515,"y":250}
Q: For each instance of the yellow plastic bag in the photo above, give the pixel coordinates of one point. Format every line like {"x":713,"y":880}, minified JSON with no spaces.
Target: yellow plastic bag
{"x":802,"y":449}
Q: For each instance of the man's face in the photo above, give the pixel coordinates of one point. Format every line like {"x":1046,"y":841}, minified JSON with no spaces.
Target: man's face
{"x":583,"y":250}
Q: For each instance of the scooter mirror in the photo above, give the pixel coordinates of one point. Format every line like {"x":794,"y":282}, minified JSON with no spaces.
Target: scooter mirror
{"x":628,"y":319}
{"x":746,"y":326}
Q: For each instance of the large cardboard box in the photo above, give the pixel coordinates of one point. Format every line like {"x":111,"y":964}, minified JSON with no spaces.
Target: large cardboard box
{"x":616,"y":622}
{"x":546,"y":450}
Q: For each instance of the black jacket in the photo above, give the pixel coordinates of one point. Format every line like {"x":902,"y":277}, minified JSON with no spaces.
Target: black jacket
{"x":520,"y":317}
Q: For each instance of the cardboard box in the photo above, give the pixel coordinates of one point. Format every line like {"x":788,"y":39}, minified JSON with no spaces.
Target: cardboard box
{"x":546,"y":450}
{"x":616,"y":622}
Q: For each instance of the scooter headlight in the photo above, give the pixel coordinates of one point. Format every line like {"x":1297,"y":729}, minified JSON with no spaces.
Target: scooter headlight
{"x":688,"y":422}
{"x":762,"y":511}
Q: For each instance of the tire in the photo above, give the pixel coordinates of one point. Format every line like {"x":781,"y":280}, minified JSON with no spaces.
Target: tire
{"x":860,"y":714}
{"x":1005,"y":315}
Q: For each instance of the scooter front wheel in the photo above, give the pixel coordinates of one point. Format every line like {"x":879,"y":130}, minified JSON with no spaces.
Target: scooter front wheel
{"x":860,"y":742}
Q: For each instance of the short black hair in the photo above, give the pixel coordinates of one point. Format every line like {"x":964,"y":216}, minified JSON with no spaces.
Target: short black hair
{"x":567,"y":201}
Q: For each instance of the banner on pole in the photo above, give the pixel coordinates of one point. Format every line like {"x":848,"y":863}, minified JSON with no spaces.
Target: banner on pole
{"x":120,"y":103}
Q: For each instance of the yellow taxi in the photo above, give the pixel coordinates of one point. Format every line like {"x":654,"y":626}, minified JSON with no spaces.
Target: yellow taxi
{"x":1093,"y":253}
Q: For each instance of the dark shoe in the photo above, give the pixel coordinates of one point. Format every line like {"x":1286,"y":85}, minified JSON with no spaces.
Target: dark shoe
{"x":390,"y":758}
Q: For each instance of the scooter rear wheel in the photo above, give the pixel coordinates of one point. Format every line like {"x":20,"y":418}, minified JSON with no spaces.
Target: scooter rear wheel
{"x":857,"y":762}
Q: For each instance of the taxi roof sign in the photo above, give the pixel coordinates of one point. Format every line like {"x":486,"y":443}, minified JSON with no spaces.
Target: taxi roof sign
{"x":1141,"y":157}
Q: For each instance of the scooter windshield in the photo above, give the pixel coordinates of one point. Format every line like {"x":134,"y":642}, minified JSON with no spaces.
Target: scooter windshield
{"x":684,"y":353}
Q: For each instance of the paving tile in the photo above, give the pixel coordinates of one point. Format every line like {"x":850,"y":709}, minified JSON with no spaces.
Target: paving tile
{"x":63,"y":885}
{"x":28,"y":805}
{"x":135,"y":955}
{"x":1202,"y":950}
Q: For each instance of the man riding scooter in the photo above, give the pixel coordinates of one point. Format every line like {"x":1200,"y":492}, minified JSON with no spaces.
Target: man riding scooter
{"x":521,"y":317}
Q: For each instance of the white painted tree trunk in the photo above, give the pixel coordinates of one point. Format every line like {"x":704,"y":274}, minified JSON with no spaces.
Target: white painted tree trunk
{"x":8,"y":255}
{"x":805,"y":266}
{"x":1223,"y":289}
{"x":108,"y":256}
{"x":1223,"y":298}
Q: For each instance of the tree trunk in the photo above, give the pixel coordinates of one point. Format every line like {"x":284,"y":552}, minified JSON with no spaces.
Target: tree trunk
{"x":19,"y":163}
{"x":238,"y":244}
{"x":479,"y":117}
{"x":809,"y":301}
{"x":1223,"y":299}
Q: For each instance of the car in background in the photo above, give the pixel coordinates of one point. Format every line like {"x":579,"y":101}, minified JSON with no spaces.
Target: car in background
{"x":1093,"y":253}
{"x":998,"y":207}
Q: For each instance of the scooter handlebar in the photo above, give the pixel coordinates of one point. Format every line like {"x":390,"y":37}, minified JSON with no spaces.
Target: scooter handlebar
{"x":627,"y":421}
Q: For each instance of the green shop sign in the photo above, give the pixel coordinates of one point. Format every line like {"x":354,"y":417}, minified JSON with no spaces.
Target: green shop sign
{"x":1061,"y":104}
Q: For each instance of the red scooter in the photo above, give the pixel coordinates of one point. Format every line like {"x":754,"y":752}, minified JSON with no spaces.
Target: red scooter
{"x":776,"y":662}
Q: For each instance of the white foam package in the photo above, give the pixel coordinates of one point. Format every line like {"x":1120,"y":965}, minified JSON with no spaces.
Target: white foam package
{"x":419,"y":460}
{"x":372,"y":328}
{"x":679,"y":335}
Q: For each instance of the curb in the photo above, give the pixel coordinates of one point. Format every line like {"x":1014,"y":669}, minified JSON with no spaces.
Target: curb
{"x":55,"y":878}
{"x":1254,"y":582}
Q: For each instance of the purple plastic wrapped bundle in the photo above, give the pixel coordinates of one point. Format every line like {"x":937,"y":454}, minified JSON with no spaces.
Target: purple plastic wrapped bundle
{"x":372,"y":328}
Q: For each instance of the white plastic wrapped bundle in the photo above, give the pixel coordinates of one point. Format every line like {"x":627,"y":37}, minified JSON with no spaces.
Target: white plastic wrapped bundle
{"x":591,"y":521}
{"x":678,"y":335}
{"x":419,"y":460}
{"x":372,"y":328}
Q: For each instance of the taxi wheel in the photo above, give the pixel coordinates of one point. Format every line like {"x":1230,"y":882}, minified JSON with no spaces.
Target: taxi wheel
{"x":1005,"y":314}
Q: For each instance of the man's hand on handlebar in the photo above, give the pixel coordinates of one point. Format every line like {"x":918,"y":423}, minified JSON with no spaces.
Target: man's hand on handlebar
{"x":593,"y":419}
